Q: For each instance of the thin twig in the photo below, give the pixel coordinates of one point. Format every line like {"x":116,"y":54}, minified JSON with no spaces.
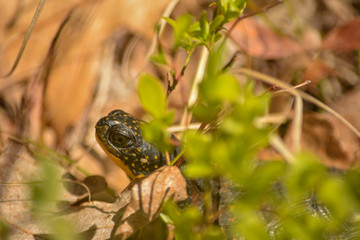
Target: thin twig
{"x":231,"y":62}
{"x":307,"y":82}
{"x":186,"y":117}
{"x":162,"y":24}
{"x":176,"y":80}
{"x":181,"y":128}
{"x":199,"y":76}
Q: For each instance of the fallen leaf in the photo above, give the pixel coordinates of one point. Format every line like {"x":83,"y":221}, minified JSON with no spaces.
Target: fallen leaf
{"x":147,"y":197}
{"x":329,"y":139}
{"x":135,"y":207}
{"x":317,"y":70}
{"x":75,"y":66}
{"x":260,"y":41}
{"x":344,"y":38}
{"x":348,"y":106}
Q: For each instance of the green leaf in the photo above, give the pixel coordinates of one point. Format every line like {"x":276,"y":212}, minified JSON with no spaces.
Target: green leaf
{"x":216,"y":23}
{"x":199,"y":170}
{"x":222,"y":88}
{"x":181,"y":27}
{"x":336,"y":203}
{"x":155,"y":132}
{"x":152,"y":96}
{"x":170,"y":21}
{"x":159,"y":57}
{"x":304,"y":176}
{"x":231,"y":9}
{"x":63,"y":229}
{"x":204,"y":25}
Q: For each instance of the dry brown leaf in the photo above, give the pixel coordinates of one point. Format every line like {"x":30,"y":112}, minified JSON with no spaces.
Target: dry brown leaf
{"x":92,"y":220}
{"x":75,"y":68}
{"x":15,"y":19}
{"x":260,"y":41}
{"x":318,"y":70}
{"x":344,"y":38}
{"x":348,"y":106}
{"x":329,"y":139}
{"x":147,"y":196}
{"x":135,"y":207}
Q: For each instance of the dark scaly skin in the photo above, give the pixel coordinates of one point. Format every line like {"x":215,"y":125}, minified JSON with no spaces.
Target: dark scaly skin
{"x":120,"y":137}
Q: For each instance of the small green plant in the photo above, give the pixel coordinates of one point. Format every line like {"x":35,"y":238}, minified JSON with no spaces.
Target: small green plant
{"x":277,"y":200}
{"x":45,"y":195}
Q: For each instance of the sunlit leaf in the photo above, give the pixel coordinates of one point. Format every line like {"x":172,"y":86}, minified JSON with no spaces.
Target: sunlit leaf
{"x":204,"y":25}
{"x":152,"y":95}
{"x":180,"y":26}
{"x":222,"y":88}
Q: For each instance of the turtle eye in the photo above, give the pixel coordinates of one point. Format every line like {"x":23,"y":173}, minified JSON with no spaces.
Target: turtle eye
{"x":120,"y":139}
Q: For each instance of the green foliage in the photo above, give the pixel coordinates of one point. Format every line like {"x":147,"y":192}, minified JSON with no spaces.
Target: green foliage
{"x":47,"y":192}
{"x":232,"y":144}
{"x":159,"y":57}
{"x":153,"y":99}
{"x":191,"y":224}
{"x":63,"y":230}
{"x":277,"y":200}
{"x":181,"y":27}
{"x":44,"y":196}
{"x":230,"y":9}
{"x":189,"y":34}
{"x":152,"y":96}
{"x":156,"y":132}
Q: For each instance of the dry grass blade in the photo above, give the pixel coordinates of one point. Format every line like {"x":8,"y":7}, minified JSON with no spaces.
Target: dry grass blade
{"x":186,"y":118}
{"x":162,"y":25}
{"x":280,"y":146}
{"x":26,"y":38}
{"x":306,"y":97}
{"x":297,"y":127}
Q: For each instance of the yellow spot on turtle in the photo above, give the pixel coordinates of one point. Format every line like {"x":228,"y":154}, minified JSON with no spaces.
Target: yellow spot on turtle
{"x":156,"y":157}
{"x":135,"y":128}
{"x":144,"y":160}
{"x":156,"y":166}
{"x":147,"y":169}
{"x":116,"y":121}
{"x":134,"y":154}
{"x":147,"y":157}
{"x":133,"y":164}
{"x":138,"y":149}
{"x":126,"y":158}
